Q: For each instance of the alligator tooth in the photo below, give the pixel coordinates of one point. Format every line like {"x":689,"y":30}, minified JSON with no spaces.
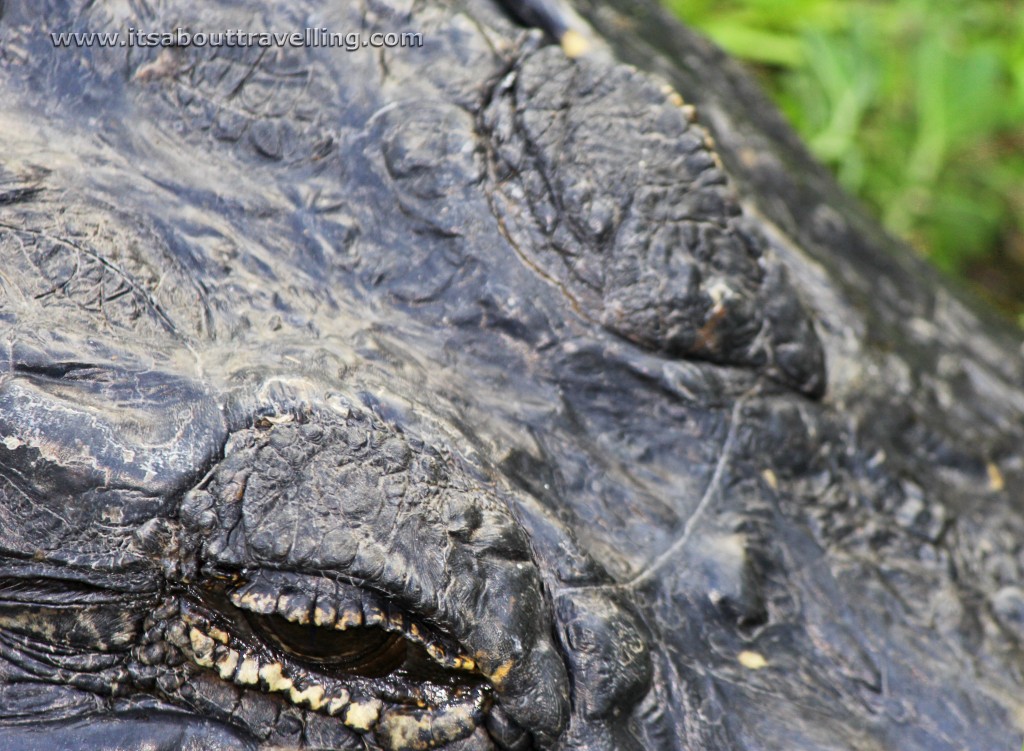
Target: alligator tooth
{"x":445,"y":658}
{"x":218,"y":634}
{"x":362,"y":715}
{"x":373,"y":615}
{"x":312,"y":696}
{"x":435,"y":651}
{"x":396,"y":619}
{"x":350,"y":617}
{"x":274,"y":679}
{"x":337,"y":703}
{"x":226,"y":663}
{"x":254,"y":600}
{"x":248,"y":672}
{"x":324,"y":614}
{"x":202,"y":647}
{"x":296,"y":607}
{"x":463,"y":663}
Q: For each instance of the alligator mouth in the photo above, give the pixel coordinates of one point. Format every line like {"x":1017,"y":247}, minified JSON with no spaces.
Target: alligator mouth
{"x":331,"y":648}
{"x":342,"y":652}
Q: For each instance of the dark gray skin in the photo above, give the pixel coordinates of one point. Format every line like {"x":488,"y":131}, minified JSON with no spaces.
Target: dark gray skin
{"x":610,"y":418}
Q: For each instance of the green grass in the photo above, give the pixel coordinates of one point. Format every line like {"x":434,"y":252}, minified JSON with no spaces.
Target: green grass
{"x":917,"y":105}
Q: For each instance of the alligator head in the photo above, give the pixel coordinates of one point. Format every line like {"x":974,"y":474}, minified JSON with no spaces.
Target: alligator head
{"x":471,"y":396}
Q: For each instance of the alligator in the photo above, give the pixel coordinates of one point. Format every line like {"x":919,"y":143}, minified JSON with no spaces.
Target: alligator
{"x":525,"y":386}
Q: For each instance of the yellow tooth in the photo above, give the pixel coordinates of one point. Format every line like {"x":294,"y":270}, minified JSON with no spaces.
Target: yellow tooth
{"x":362,"y":715}
{"x":202,"y":647}
{"x":218,"y":635}
{"x":256,"y":602}
{"x":324,"y":615}
{"x":500,"y":673}
{"x":275,"y":680}
{"x":348,"y":619}
{"x":287,"y":607}
{"x":337,"y":703}
{"x":248,"y":672}
{"x":672,"y":95}
{"x":312,"y":697}
{"x":227,"y":663}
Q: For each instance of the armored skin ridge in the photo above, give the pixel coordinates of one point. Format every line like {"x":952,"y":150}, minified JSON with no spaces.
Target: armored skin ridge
{"x":528,"y":388}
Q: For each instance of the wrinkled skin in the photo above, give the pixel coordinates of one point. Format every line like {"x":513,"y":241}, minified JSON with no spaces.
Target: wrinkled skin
{"x":612,"y":436}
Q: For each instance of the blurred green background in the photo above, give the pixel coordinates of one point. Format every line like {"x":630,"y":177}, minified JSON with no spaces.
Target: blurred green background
{"x":917,"y":105}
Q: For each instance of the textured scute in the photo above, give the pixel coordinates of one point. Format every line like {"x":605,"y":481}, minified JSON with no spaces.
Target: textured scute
{"x":351,"y":494}
{"x":575,"y":379}
{"x":630,"y":211}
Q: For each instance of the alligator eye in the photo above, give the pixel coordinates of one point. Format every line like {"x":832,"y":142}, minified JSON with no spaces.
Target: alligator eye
{"x":329,"y":647}
{"x":366,"y":650}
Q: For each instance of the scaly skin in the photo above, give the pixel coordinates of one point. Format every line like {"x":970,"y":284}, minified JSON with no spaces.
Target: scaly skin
{"x":477,"y":397}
